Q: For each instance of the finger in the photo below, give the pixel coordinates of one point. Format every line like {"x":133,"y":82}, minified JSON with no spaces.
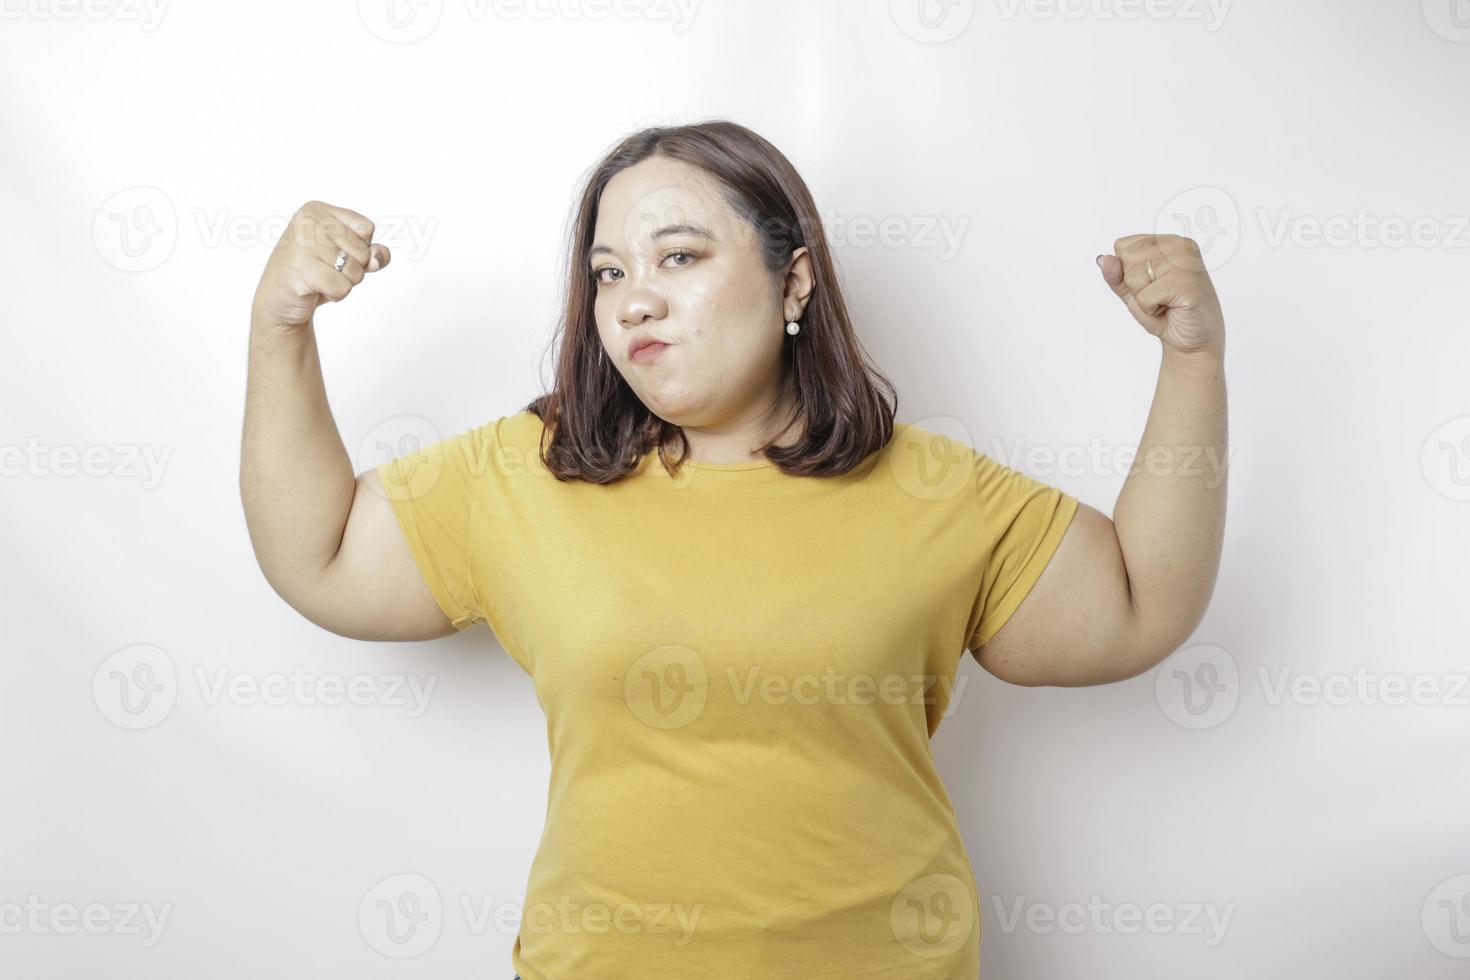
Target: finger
{"x":322,"y":279}
{"x":1156,"y":298}
{"x":358,"y":223}
{"x":1137,"y":271}
{"x":1182,"y":253}
{"x":1113,"y":275}
{"x":380,"y":257}
{"x":352,"y":268}
{"x":371,"y":257}
{"x":1131,"y":245}
{"x":340,"y":237}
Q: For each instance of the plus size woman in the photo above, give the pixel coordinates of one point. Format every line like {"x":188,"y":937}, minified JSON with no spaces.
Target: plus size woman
{"x":740,"y":586}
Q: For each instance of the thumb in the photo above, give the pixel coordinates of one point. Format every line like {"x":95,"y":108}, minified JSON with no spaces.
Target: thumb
{"x":1112,"y":272}
{"x":379,"y":258}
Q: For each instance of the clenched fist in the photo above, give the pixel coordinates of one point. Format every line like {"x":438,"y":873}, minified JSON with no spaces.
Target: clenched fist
{"x":1163,"y":282}
{"x":301,"y":273}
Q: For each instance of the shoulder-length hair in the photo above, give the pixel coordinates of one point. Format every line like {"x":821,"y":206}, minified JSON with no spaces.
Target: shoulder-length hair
{"x":597,"y":429}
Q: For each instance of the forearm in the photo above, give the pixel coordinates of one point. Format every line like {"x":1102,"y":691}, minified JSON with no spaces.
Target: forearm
{"x":1170,"y":516}
{"x":296,"y":478}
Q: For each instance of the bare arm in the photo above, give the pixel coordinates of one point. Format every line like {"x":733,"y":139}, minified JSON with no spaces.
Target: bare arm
{"x":326,"y":540}
{"x":1120,"y":595}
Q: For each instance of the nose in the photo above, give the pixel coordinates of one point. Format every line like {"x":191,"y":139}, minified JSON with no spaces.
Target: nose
{"x":640,"y":303}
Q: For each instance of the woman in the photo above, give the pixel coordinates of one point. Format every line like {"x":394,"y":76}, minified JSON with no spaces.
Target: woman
{"x":740,"y":588}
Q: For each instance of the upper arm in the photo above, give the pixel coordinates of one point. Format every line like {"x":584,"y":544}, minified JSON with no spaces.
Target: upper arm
{"x":373,"y":588}
{"x":1077,"y":625}
{"x":403,"y":569}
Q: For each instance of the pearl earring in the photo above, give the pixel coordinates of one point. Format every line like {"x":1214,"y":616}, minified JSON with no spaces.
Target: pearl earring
{"x":793,"y":328}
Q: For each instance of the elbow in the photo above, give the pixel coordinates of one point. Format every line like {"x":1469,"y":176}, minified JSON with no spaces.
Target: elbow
{"x":1150,"y":646}
{"x":306,"y":594}
{"x":1141,"y":646}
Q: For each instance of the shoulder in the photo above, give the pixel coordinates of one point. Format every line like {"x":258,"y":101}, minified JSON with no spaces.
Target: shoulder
{"x":509,"y":446}
{"x":930,"y":463}
{"x":516,"y":433}
{"x":520,"y":430}
{"x":909,"y":436}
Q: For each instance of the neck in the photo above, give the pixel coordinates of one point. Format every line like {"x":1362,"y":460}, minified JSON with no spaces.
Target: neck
{"x":739,"y":441}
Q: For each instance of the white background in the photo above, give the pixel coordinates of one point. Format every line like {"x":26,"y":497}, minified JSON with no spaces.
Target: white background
{"x":150,"y":158}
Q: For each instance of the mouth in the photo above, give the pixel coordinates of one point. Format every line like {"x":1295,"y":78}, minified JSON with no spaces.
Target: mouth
{"x":645,"y":350}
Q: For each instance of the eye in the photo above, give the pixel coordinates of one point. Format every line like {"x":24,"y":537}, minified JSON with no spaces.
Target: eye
{"x":597,"y":277}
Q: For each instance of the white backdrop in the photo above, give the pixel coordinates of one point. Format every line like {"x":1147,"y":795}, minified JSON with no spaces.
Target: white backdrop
{"x":200,"y":783}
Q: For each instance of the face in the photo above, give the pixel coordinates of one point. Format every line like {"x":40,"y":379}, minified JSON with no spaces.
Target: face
{"x":670,"y":261}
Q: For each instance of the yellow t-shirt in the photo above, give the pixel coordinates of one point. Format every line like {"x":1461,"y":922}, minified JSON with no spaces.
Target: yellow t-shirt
{"x":741,"y":671}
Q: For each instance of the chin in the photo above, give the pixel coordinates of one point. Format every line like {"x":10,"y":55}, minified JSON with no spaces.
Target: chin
{"x":674,"y":402}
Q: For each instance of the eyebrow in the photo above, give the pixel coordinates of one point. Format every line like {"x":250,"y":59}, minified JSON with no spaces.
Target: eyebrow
{"x":698,"y":231}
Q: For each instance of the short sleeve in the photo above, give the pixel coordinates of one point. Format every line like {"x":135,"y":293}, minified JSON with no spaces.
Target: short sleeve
{"x":433,"y":492}
{"x":1027,"y":519}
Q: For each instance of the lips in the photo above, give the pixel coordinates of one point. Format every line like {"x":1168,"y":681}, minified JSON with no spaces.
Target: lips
{"x":642,"y":343}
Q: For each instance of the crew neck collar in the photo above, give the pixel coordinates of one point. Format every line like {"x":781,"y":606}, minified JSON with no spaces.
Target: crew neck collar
{"x":754,"y":464}
{"x":650,"y":459}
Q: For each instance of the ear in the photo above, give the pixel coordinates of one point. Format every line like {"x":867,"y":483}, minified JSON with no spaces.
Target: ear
{"x":799,"y":280}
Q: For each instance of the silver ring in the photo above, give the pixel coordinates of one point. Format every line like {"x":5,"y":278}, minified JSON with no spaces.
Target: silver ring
{"x":342,"y":260}
{"x":1149,"y":268}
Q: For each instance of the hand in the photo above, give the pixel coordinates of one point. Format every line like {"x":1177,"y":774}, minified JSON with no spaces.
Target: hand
{"x":1179,"y":305}
{"x":299,"y":276}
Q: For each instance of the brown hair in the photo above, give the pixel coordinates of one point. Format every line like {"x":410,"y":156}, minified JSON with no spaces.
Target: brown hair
{"x":598,"y":428}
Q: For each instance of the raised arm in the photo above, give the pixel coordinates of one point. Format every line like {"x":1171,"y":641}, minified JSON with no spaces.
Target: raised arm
{"x":327,"y":541}
{"x":1120,"y":595}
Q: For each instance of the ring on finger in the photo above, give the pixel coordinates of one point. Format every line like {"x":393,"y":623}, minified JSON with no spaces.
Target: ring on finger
{"x":1148,"y":265}
{"x":342,"y":260}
